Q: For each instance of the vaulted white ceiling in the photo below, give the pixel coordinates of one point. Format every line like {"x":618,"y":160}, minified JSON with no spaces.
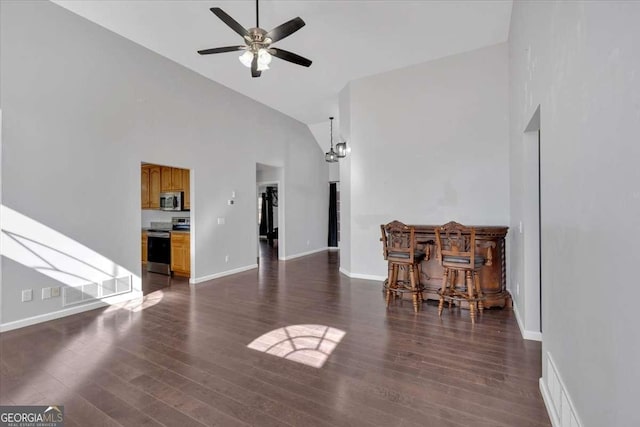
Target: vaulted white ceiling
{"x":346,"y":40}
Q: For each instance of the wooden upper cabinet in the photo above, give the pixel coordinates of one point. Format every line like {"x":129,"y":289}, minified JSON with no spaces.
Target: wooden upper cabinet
{"x":176,"y":179}
{"x":186,"y":187}
{"x":154,"y":187}
{"x":144,"y":187}
{"x":165,"y":179}
{"x":150,"y":187}
{"x":158,"y":179}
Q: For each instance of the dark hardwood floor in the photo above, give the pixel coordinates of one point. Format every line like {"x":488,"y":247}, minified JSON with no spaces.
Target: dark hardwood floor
{"x":181,"y":358}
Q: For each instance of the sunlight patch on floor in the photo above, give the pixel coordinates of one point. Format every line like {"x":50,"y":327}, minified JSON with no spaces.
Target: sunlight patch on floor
{"x":307,"y":344}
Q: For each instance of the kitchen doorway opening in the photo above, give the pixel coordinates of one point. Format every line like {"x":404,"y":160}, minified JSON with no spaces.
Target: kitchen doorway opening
{"x":269,"y":213}
{"x":166,"y":234}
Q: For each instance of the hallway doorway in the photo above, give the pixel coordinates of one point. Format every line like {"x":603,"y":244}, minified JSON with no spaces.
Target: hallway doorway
{"x":269,"y":213}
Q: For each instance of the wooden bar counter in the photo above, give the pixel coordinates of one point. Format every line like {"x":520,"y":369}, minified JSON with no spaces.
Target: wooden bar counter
{"x":493,"y":275}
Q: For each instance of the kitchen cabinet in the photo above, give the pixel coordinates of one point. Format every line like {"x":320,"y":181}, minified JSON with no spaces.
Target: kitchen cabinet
{"x":157,"y":179}
{"x":172,"y":179}
{"x":176,"y":179}
{"x":165,"y":178}
{"x":186,"y":185}
{"x":150,"y":187}
{"x":181,"y":254}
{"x":144,"y":247}
{"x":144,"y":187}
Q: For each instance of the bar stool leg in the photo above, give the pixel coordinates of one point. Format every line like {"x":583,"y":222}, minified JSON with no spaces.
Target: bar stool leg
{"x":472,"y":304}
{"x":479,"y":293}
{"x":443,"y":291}
{"x":389,"y":281}
{"x":419,"y":285}
{"x":414,"y":289}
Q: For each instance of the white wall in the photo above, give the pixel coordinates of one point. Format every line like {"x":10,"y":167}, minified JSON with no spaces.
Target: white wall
{"x":429,"y":145}
{"x":579,"y":62}
{"x":82,"y":107}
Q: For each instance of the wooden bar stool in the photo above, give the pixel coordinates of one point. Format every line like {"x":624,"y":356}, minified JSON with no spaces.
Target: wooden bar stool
{"x":457,"y":255}
{"x":399,"y":249}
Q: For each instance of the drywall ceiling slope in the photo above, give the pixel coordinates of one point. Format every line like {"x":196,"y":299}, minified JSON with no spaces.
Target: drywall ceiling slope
{"x":346,"y":40}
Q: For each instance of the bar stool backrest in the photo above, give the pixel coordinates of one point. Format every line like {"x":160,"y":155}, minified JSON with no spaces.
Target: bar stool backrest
{"x":398,"y":242}
{"x":456,"y":242}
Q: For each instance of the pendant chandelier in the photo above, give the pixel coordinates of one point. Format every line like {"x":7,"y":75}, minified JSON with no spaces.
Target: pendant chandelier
{"x":332,"y":155}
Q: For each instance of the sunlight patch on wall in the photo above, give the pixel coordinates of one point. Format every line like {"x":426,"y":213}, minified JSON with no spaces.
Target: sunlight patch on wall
{"x":307,"y":344}
{"x":88,"y":274}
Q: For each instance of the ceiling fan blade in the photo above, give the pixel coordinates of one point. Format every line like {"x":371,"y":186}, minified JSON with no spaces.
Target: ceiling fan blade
{"x":221,"y":50}
{"x":232,"y":23}
{"x":254,"y":67}
{"x":289,"y":56}
{"x":286,"y":29}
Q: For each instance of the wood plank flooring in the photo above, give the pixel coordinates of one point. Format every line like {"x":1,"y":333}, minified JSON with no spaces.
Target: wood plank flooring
{"x":181,"y":358}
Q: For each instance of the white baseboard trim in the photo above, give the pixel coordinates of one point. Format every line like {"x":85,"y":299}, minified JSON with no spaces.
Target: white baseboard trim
{"x":16,"y":324}
{"x":363,"y":276}
{"x":527,"y":335}
{"x":334,"y":248}
{"x":290,"y":257}
{"x":345,"y":272}
{"x":546,"y":398}
{"x":195,"y":281}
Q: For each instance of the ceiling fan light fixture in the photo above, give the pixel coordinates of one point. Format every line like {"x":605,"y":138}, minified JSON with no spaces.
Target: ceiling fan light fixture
{"x":264,"y":57}
{"x":258,"y":52}
{"x":246,"y":58}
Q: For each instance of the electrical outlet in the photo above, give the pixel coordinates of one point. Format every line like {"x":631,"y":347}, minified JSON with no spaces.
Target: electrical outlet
{"x":46,"y":293}
{"x":233,"y":194}
{"x":221,"y":221}
{"x":226,"y":258}
{"x":27,"y":295}
{"x":55,"y":292}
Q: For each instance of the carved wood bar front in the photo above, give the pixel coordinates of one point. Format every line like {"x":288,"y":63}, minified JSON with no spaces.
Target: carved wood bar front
{"x":493,"y":275}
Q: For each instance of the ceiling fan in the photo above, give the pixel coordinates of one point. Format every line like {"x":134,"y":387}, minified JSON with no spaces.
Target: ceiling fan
{"x":257,"y":49}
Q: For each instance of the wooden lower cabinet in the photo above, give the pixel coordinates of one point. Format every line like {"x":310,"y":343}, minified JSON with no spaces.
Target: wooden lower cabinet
{"x":144,"y":248}
{"x":181,"y":254}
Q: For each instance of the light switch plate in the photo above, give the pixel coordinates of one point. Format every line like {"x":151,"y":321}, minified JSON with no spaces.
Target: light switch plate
{"x":27,"y":295}
{"x":221,"y":221}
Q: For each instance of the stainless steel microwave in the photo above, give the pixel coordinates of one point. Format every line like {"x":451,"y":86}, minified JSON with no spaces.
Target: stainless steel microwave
{"x":171,"y":201}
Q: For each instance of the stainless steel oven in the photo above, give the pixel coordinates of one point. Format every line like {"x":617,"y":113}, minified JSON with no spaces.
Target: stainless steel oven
{"x":159,"y":252}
